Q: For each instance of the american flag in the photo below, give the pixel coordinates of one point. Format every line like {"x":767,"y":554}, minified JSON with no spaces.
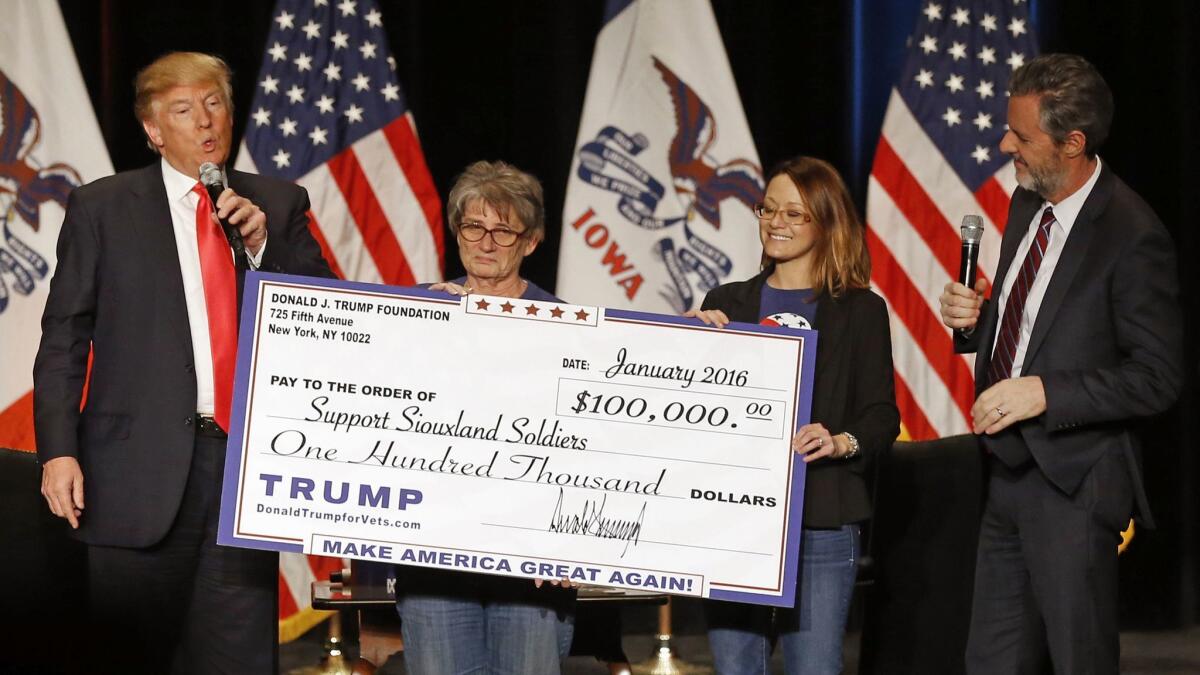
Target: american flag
{"x":938,"y":159}
{"x":329,"y":115}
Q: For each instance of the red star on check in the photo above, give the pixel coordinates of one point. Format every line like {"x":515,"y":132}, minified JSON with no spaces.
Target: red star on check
{"x":482,"y":304}
{"x":581,"y":315}
{"x":531,"y":310}
{"x":507,"y":307}
{"x":556,"y":312}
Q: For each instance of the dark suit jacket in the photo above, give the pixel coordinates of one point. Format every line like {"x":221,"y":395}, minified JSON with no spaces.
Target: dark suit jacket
{"x":1108,"y":341}
{"x":853,"y":390}
{"x":118,"y":290}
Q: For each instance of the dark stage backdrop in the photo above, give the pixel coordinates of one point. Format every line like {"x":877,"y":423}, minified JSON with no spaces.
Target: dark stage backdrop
{"x":506,"y":80}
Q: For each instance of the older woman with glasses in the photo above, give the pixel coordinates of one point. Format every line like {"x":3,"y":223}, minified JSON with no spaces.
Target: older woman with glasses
{"x":458,"y":622}
{"x":816,"y":274}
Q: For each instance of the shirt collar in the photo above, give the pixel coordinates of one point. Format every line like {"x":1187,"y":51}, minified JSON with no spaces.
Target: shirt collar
{"x":1066,"y":211}
{"x":179,"y":185}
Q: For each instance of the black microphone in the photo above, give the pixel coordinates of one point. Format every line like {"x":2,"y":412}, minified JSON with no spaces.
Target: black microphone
{"x":972,"y":234}
{"x":213,"y":180}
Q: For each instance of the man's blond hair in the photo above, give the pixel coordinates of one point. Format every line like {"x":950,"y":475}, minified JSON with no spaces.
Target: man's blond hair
{"x":179,"y":69}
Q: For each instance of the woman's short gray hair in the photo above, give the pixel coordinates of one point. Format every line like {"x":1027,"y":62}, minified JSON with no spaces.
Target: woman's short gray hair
{"x":1072,"y":96}
{"x":503,"y":187}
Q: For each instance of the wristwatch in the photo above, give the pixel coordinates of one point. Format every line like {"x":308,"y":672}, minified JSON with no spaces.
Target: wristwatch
{"x":854,"y":446}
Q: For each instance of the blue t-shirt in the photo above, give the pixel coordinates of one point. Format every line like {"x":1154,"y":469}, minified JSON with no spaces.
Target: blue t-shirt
{"x":794,"y":308}
{"x":532,"y":291}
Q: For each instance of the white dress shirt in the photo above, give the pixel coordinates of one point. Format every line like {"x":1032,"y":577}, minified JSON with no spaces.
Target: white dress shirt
{"x":183,"y":203}
{"x":1065,"y":213}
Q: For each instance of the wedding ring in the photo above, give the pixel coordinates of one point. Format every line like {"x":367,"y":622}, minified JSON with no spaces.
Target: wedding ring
{"x":1000,"y":413}
{"x":820,"y":442}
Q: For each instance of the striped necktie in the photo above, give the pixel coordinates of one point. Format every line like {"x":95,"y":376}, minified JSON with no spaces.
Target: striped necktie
{"x":1000,"y":367}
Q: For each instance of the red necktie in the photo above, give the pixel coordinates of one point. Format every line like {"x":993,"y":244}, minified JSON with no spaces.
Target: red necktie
{"x":1000,"y":367}
{"x":220,"y":295}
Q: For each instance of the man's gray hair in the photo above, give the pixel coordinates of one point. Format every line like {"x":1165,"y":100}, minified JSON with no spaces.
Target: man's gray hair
{"x":503,"y":187}
{"x":1072,"y":96}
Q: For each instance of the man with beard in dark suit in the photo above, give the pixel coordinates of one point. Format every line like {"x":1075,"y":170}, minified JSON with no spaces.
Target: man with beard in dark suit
{"x":146,"y":282}
{"x":1081,"y":338}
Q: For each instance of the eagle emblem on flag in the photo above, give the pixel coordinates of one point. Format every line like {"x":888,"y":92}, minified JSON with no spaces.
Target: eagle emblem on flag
{"x":25,"y":184}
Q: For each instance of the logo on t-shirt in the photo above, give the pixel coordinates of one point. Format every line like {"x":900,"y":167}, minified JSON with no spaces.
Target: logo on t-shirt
{"x":787,"y":320}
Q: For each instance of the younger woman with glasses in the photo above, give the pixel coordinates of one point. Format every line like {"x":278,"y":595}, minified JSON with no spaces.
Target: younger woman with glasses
{"x":815,"y":274}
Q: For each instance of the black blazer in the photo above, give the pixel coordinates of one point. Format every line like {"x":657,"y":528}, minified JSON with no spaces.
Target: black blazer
{"x":1108,"y":341}
{"x":118,"y":290}
{"x":853,"y":390}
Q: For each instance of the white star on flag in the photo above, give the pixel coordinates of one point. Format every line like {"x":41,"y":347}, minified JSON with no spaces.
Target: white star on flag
{"x":981,"y":154}
{"x":987,"y":55}
{"x":285,"y":20}
{"x":984,"y":89}
{"x":924,"y":78}
{"x":325,"y":104}
{"x":347,"y":7}
{"x":957,"y":50}
{"x":340,"y":40}
{"x":929,"y":44}
{"x":303,"y":62}
{"x":932,"y":11}
{"x":391,"y":92}
{"x":1016,"y":60}
{"x":983,"y":121}
{"x":952,"y":117}
{"x":333,"y":72}
{"x":295,"y":94}
{"x":361,"y":83}
{"x":368,"y":50}
{"x":988,"y":22}
{"x":278,"y":52}
{"x":961,"y":17}
{"x":374,"y":18}
{"x":318,"y":136}
{"x":955,"y":83}
{"x":1016,"y":26}
{"x":354,"y":113}
{"x":282,"y":159}
{"x":270,"y":85}
{"x":312,"y":29}
{"x":288,"y":126}
{"x":262,"y":116}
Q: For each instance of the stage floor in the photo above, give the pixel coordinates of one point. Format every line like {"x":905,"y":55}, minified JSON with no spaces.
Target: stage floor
{"x":1142,"y":653}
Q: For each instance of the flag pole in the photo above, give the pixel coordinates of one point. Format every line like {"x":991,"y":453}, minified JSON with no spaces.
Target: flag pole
{"x":664,"y":661}
{"x":333,"y":660}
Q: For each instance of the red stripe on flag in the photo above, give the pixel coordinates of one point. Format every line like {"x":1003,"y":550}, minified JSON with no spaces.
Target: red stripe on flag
{"x":315,"y":228}
{"x":994,"y":200}
{"x":376,"y":230}
{"x":915,"y":421}
{"x":407,"y":149}
{"x":287,"y":604}
{"x":926,"y":329}
{"x":16,"y":425}
{"x":942,"y":238}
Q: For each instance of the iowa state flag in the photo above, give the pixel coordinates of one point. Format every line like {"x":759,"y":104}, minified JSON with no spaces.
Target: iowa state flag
{"x":49,"y":144}
{"x":665,"y":174}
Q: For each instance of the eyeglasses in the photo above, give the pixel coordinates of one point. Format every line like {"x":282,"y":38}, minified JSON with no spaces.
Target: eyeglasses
{"x":502,"y":236}
{"x":790,"y":216}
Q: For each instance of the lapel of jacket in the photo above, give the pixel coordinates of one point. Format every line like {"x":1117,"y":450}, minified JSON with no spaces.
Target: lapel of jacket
{"x":150,"y":216}
{"x":831,"y":329}
{"x":1024,"y":205}
{"x":1069,"y":262}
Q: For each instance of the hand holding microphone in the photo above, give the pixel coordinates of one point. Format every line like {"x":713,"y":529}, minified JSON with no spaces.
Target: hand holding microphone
{"x":244,"y":224}
{"x":961,"y":300}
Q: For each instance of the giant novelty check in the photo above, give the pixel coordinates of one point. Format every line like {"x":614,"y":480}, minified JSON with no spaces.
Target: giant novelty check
{"x":518,"y":437}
